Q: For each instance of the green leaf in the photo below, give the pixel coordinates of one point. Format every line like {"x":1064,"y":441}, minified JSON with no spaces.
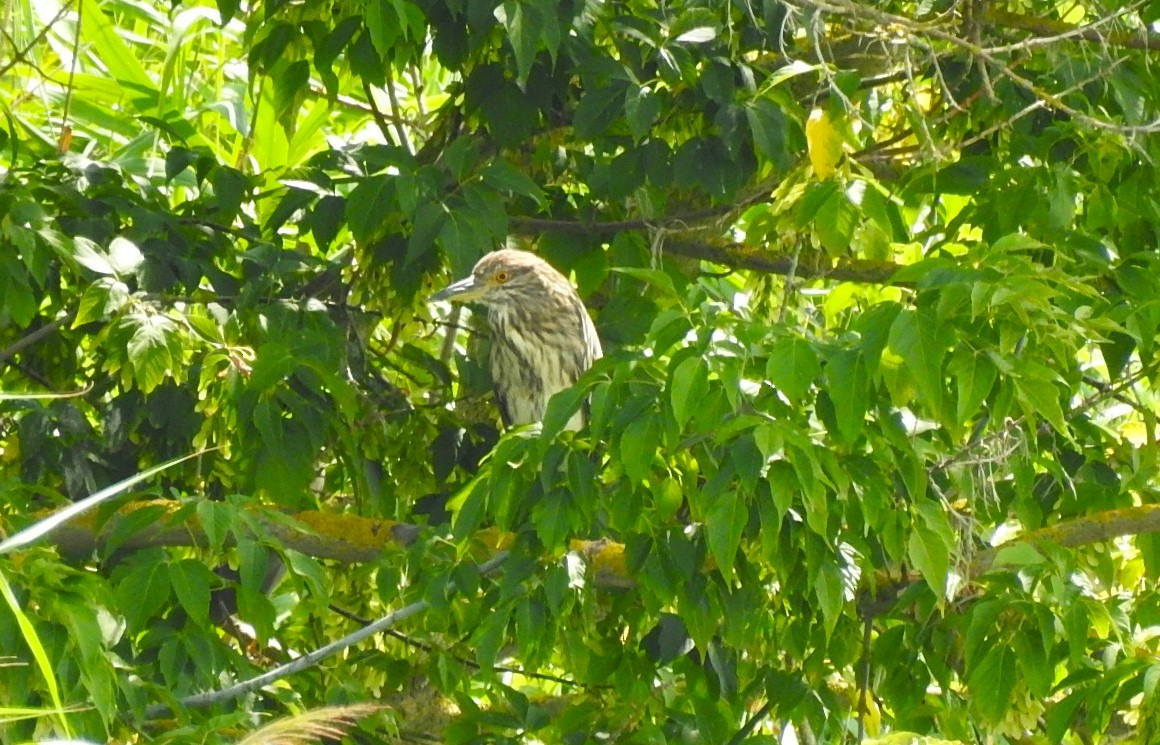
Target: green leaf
{"x":94,"y":303}
{"x":921,"y":342}
{"x":177,"y":160}
{"x":429,"y":222}
{"x":20,"y":302}
{"x":273,"y":363}
{"x":767,"y":124}
{"x":829,"y":589}
{"x":974,"y":376}
{"x":467,"y":508}
{"x":522,"y":24}
{"x":327,"y":219}
{"x":90,"y":255}
{"x":488,"y":637}
{"x":383,"y":27}
{"x":690,"y":384}
{"x":503,"y":176}
{"x":1060,"y":715}
{"x":257,"y":610}
{"x":142,"y":592}
{"x":931,"y":543}
{"x":1040,"y":399}
{"x":658,"y":279}
{"x":230,"y":187}
{"x":215,"y":520}
{"x":596,"y":111}
{"x":698,"y":35}
{"x":118,"y":58}
{"x":124,"y":256}
{"x":1016,"y":555}
{"x":667,"y":641}
{"x":641,"y":109}
{"x":793,"y":367}
{"x":366,"y":205}
{"x":783,"y":485}
{"x":552,"y":518}
{"x":313,"y":576}
{"x":847,"y":385}
{"x":32,"y":639}
{"x":289,"y":83}
{"x":561,"y":408}
{"x":725,"y":523}
{"x":638,"y":446}
{"x":835,"y":221}
{"x":992,"y":683}
{"x":192,"y":582}
{"x":228,"y":9}
{"x":150,"y":349}
{"x":1036,"y":670}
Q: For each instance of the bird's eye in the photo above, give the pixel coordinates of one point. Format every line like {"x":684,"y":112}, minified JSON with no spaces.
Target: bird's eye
{"x":501,"y":277}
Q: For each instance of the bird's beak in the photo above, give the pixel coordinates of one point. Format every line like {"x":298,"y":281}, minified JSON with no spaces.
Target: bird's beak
{"x":463,"y":291}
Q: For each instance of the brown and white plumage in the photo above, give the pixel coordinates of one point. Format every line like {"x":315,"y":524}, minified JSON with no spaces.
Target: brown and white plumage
{"x":542,"y":337}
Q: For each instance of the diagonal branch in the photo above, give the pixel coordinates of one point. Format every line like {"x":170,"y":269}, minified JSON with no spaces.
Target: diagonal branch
{"x":203,"y":700}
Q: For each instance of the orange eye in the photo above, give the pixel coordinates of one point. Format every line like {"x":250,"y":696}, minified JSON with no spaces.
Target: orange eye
{"x":501,"y":277}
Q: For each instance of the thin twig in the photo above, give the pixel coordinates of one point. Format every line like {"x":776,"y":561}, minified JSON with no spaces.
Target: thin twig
{"x":21,"y":55}
{"x":751,"y":723}
{"x":429,"y":648}
{"x":202,"y":700}
{"x":396,"y":111}
{"x":32,"y":338}
{"x":72,"y":71}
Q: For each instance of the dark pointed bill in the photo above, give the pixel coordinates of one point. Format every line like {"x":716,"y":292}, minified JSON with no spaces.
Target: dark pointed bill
{"x":463,"y":291}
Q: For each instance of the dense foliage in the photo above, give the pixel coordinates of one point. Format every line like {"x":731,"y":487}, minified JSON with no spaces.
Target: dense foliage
{"x":873,"y":449}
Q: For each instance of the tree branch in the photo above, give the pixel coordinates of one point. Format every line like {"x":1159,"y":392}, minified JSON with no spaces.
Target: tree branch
{"x":345,"y":538}
{"x":32,"y":338}
{"x":734,"y":255}
{"x":740,"y":256}
{"x":1046,"y":29}
{"x":308,"y":660}
{"x":1080,"y":531}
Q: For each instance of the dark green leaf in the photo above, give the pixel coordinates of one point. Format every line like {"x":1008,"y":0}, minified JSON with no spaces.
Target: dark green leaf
{"x":848,"y":389}
{"x":690,"y":383}
{"x":638,"y":445}
{"x":793,"y":367}
{"x":931,"y":545}
{"x":921,"y":342}
{"x":192,"y":582}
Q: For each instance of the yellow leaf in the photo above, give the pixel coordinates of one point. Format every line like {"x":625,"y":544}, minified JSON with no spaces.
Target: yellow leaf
{"x":824,"y":143}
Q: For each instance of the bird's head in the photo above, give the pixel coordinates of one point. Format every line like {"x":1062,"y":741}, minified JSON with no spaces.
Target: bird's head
{"x":504,"y":278}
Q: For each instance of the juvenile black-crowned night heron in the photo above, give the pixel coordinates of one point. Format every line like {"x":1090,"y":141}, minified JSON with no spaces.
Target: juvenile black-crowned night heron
{"x":542,"y":337}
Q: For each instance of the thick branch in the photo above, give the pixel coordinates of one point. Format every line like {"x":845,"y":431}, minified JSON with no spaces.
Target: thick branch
{"x":354,"y":539}
{"x":740,"y":256}
{"x":734,"y":255}
{"x":1080,"y":531}
{"x":1050,"y":28}
{"x":349,"y":539}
